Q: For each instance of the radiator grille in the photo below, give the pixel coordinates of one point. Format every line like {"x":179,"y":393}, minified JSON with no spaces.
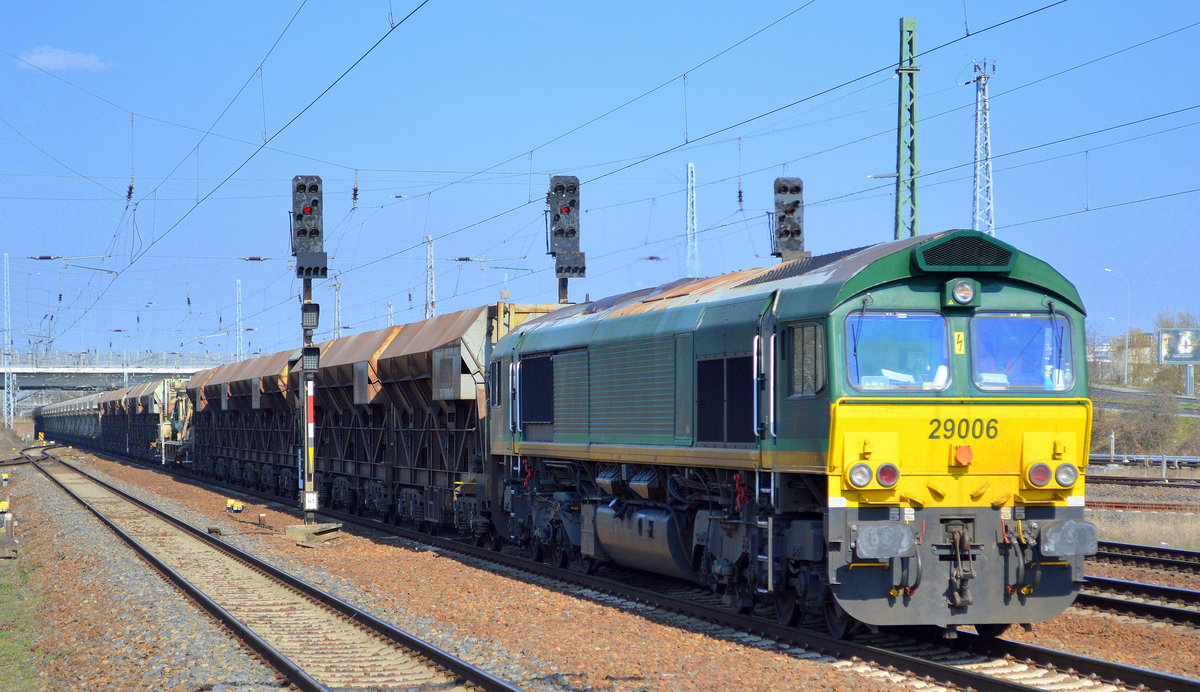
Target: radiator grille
{"x":966,"y":251}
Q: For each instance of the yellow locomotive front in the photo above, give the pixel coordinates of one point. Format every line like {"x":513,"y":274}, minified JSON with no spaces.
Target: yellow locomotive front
{"x":958,"y":442}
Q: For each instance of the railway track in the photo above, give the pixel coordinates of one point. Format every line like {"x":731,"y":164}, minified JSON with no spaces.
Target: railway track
{"x":1161,"y":603}
{"x":1177,"y":483}
{"x":1170,"y":559}
{"x":969,"y":662}
{"x":315,"y":641}
{"x":1145,"y":506}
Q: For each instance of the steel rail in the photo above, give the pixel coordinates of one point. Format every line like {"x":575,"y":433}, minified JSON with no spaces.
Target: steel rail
{"x":466,"y":671}
{"x":1118,"y":592}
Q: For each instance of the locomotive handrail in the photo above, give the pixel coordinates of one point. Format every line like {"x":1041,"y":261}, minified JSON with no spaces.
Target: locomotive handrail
{"x":771,"y":388}
{"x":755,"y":345}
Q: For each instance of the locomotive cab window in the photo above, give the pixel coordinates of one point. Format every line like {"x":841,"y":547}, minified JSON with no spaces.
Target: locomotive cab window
{"x":897,"y":351}
{"x":1021,"y":351}
{"x":808,"y":359}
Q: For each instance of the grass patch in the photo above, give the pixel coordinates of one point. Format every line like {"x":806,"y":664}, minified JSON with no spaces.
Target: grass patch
{"x":18,"y":670}
{"x":1164,"y":529}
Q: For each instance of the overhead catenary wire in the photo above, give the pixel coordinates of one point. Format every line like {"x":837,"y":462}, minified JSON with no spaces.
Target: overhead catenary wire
{"x":889,"y":66}
{"x":249,"y":158}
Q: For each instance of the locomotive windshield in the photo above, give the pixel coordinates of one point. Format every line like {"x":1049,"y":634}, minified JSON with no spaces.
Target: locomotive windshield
{"x":1021,"y":351}
{"x":897,"y":351}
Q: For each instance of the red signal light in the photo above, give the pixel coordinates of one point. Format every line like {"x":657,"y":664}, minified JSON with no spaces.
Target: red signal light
{"x":887,"y":475}
{"x":565,"y":210}
{"x":308,"y":210}
{"x":1039,"y":474}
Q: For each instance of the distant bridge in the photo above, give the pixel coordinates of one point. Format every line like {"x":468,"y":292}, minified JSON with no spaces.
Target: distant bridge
{"x":43,"y":376}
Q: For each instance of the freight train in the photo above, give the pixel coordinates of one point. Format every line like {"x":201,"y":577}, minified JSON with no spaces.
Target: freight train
{"x":889,"y":435}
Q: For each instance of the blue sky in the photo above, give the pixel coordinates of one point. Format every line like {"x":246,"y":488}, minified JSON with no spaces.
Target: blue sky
{"x":455,"y":120}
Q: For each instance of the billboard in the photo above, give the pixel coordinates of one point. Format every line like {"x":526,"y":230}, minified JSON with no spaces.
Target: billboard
{"x":1179,"y":346}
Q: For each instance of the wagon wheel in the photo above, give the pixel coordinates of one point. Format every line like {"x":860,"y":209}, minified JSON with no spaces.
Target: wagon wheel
{"x":535,"y":550}
{"x":588,"y":565}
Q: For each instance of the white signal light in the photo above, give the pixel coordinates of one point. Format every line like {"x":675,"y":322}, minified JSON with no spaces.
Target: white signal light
{"x":860,"y":475}
{"x":1066,"y":475}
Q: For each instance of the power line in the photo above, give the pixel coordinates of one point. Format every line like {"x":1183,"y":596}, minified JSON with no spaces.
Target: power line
{"x":644,"y":159}
{"x":226,"y":179}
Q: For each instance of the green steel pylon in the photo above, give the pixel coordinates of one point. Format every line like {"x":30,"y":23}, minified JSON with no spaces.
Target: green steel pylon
{"x":906,"y":133}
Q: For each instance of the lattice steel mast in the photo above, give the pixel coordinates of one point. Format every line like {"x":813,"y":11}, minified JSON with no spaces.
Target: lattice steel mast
{"x":240,"y":350}
{"x":337,"y":308}
{"x":906,"y":133}
{"x":10,"y":386}
{"x":430,"y":292}
{"x":982,"y":215}
{"x":693,"y":250}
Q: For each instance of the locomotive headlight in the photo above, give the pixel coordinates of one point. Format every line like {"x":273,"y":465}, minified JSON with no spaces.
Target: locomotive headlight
{"x":860,"y":475}
{"x":1039,"y":475}
{"x":964,"y":292}
{"x":887,"y":475}
{"x":960,"y":293}
{"x":1066,"y":475}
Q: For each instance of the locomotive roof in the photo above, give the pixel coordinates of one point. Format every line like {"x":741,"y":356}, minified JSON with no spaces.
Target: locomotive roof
{"x":828,"y":280}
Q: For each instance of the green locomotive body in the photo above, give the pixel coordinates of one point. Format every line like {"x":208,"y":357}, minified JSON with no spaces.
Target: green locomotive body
{"x":825,"y":433}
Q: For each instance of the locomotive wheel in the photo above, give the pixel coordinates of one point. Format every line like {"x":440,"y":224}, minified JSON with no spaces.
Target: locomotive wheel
{"x":558,"y":556}
{"x":838,"y":621}
{"x":787,"y":608}
{"x":992,"y":630}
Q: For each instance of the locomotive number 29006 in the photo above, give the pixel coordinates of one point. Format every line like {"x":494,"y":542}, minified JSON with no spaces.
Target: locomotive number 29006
{"x":963,"y":428}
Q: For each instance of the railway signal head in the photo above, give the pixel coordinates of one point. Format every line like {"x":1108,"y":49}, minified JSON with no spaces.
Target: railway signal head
{"x":308,"y":231}
{"x":563,"y":199}
{"x":788,"y":241}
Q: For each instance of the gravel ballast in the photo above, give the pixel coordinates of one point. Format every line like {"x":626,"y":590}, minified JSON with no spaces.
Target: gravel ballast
{"x":533,"y":636}
{"x":104,"y":618}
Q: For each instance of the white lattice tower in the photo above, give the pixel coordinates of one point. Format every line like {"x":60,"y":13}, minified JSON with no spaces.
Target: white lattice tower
{"x":430,"y":288}
{"x":982,"y":215}
{"x":337,"y":309}
{"x":10,"y":383}
{"x":241,"y":351}
{"x":693,"y":249}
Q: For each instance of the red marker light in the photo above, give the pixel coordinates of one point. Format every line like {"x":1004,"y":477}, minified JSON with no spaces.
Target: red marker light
{"x":565,"y":210}
{"x":308,"y":210}
{"x":1039,"y":474}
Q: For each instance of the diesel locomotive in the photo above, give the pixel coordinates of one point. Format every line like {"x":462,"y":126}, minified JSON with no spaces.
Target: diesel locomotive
{"x":889,"y":435}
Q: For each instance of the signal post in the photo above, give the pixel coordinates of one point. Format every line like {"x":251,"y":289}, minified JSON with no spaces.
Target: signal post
{"x":308,"y":247}
{"x":569,"y":262}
